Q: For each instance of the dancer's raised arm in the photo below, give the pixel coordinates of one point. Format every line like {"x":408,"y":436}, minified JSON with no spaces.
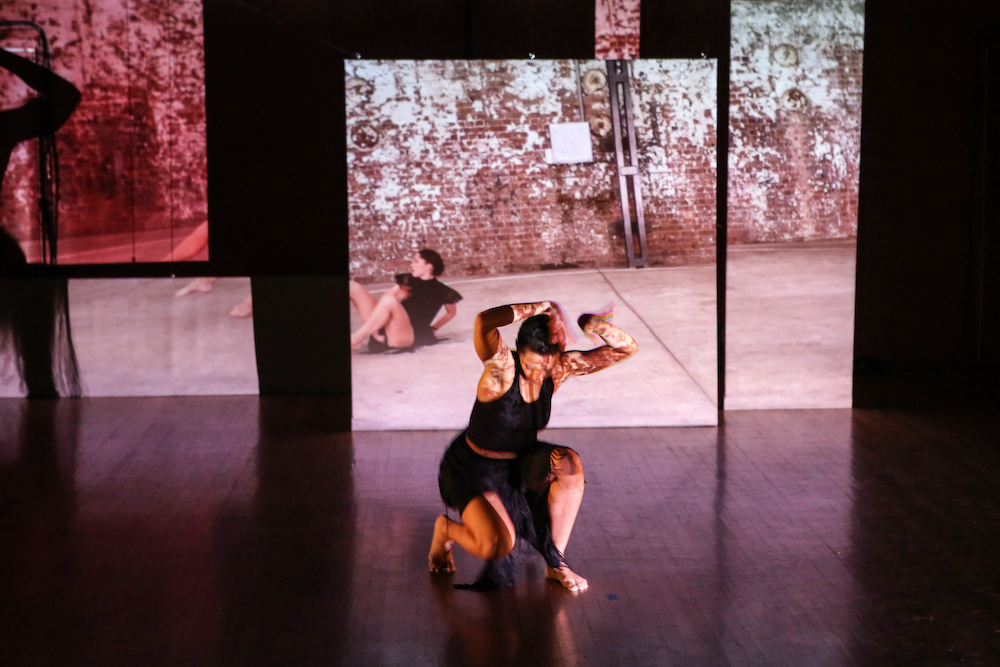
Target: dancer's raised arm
{"x":485,"y":334}
{"x":498,"y":362}
{"x":41,"y":115}
{"x":618,"y":347}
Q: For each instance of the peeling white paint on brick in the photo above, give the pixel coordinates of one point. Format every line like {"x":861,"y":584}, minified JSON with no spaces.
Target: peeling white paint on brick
{"x":795,"y":119}
{"x":616,"y":29}
{"x":451,"y":155}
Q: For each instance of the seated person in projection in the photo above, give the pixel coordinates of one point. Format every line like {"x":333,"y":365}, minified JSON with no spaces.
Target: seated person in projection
{"x":404,"y":316}
{"x":505,"y":482}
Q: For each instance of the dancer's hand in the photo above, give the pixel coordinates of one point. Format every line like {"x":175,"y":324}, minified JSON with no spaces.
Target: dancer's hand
{"x":588,"y":322}
{"x":558,"y":325}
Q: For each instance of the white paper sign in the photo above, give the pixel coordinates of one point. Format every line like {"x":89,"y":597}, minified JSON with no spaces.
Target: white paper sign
{"x":570,"y":143}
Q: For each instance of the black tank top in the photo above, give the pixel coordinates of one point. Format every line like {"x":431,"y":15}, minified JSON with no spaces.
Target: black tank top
{"x":510,"y":423}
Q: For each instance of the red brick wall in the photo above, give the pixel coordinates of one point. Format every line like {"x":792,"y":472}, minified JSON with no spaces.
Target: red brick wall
{"x":133,"y":154}
{"x":616,"y":29}
{"x":795,"y":119}
{"x":451,"y":155}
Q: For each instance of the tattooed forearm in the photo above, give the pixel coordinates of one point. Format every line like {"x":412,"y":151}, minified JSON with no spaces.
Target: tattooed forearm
{"x":523,"y":311}
{"x":619,"y":346}
{"x":616,"y":339}
{"x":498,"y":374}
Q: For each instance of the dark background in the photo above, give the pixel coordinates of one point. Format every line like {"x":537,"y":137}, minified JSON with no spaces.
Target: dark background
{"x":928,"y":259}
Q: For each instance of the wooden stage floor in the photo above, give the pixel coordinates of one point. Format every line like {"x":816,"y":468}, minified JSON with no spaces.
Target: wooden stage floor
{"x":251,"y":531}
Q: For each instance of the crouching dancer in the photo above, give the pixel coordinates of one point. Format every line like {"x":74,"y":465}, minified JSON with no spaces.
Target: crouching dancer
{"x":505,"y":482}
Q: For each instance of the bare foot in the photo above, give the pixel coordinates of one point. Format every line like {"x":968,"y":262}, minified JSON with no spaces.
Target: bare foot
{"x":358,"y":340}
{"x":567,"y":577}
{"x":203,"y":285}
{"x":440,"y":558}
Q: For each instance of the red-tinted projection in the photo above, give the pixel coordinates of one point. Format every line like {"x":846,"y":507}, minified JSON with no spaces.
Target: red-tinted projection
{"x":124,"y":178}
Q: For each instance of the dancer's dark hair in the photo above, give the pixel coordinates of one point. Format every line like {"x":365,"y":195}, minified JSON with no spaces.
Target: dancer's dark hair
{"x":535,"y":334}
{"x":35,"y":337}
{"x":434,"y":259}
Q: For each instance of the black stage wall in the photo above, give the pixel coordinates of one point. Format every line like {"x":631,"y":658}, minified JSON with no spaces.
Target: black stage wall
{"x":922,"y":329}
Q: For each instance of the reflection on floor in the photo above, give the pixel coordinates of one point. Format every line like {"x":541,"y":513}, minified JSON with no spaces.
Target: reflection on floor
{"x":133,"y":337}
{"x":671,"y":381}
{"x":790,"y":325}
{"x":249,"y":531}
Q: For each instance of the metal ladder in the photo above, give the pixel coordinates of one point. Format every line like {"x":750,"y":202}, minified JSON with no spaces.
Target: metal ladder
{"x":629,"y":178}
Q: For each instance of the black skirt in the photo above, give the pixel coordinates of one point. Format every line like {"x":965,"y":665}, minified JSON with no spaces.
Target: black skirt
{"x":522,"y":484}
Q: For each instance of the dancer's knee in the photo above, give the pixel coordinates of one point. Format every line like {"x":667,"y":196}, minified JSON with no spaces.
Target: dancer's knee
{"x":499,"y":551}
{"x":492,"y":544}
{"x":500,"y":546}
{"x":491,"y":536}
{"x":389,"y":298}
{"x":568,"y":468}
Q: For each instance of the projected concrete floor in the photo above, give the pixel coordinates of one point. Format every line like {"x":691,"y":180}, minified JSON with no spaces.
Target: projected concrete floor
{"x":790,"y":325}
{"x":671,"y":381}
{"x":134,"y":337}
{"x":789,"y":343}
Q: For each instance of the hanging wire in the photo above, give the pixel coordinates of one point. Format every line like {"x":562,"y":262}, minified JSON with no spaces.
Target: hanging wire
{"x":131,"y":113}
{"x":579,"y":90}
{"x":170,"y":30}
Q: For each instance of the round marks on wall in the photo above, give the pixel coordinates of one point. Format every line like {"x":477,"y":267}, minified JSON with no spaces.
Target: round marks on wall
{"x":785,"y":55}
{"x":594,"y":81}
{"x":794,"y":99}
{"x":600,"y":120}
{"x":364,"y":136}
{"x":600,"y":126}
{"x":358,"y":88}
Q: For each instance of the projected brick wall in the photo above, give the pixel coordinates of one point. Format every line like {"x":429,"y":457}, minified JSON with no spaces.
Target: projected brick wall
{"x":795,"y":120}
{"x":451,"y":155}
{"x":616,"y":29}
{"x":132,"y":157}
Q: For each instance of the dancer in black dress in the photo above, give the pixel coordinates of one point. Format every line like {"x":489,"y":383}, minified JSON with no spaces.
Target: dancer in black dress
{"x":403,"y":318}
{"x":34,"y":312}
{"x":505,"y":482}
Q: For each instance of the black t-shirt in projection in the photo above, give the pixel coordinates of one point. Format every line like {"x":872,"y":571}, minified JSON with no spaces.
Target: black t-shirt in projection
{"x":425,"y":300}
